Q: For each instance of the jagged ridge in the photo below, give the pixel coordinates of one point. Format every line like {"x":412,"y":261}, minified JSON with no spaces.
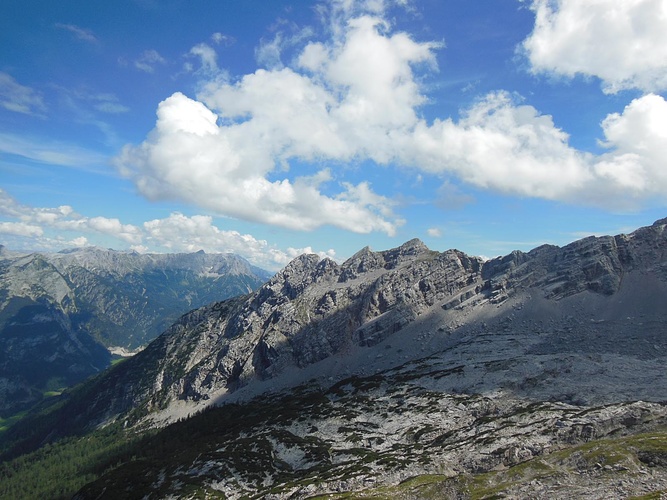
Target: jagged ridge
{"x":379,"y":308}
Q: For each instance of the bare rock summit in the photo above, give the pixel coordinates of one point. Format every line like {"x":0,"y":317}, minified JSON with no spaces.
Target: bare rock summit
{"x":537,"y":324}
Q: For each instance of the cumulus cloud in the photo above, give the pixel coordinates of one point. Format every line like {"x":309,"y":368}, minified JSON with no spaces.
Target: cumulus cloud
{"x":225,"y":151}
{"x":80,"y":241}
{"x":285,"y":257}
{"x":19,"y":98}
{"x":113,"y":227}
{"x":622,"y":42}
{"x":500,"y":145}
{"x":356,"y":97}
{"x":190,"y":234}
{"x":35,"y":220}
{"x":20,"y":229}
{"x":637,"y":140}
{"x":225,"y":169}
{"x":176,"y":233}
{"x":180,"y":233}
{"x":512,"y":148}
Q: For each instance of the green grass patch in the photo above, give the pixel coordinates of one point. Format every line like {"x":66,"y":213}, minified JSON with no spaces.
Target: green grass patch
{"x":6,"y":423}
{"x":426,"y":487}
{"x":656,"y":495}
{"x":116,"y":361}
{"x":50,"y":394}
{"x":624,"y":451}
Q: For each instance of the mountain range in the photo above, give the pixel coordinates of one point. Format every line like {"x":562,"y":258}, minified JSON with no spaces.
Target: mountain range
{"x":402,"y":373}
{"x":63,"y":314}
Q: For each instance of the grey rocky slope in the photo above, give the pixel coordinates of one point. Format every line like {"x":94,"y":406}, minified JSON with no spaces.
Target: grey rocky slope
{"x":415,"y":362}
{"x":396,"y":435}
{"x":581,"y":324}
{"x":60,"y":311}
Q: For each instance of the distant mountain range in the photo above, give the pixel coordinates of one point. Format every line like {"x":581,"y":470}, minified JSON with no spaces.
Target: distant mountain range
{"x":401,"y":372}
{"x":61,"y":312}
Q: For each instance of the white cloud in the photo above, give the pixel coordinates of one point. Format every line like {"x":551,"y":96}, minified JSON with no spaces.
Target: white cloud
{"x":207,"y":56}
{"x":285,"y":257}
{"x":190,"y":234}
{"x":434,"y":232}
{"x":347,"y":107}
{"x":288,"y":35}
{"x":81,"y":241}
{"x":268,"y":54}
{"x":140,"y":248}
{"x":19,"y":98}
{"x":64,"y":218}
{"x":148,"y":60}
{"x":501,"y":146}
{"x":623,"y":42}
{"x":346,"y":9}
{"x":220,"y":38}
{"x":36,"y":227}
{"x":511,"y":148}
{"x":180,"y":233}
{"x":82,"y":34}
{"x":356,"y":97}
{"x":225,"y":169}
{"x":20,"y":229}
{"x":637,"y":139}
{"x":113,"y":227}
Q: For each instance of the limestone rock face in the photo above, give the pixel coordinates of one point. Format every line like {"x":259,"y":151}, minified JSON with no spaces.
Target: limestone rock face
{"x":374,"y":436}
{"x":536,"y":323}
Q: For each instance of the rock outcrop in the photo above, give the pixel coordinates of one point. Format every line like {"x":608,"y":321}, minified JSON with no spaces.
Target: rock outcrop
{"x":373,"y":433}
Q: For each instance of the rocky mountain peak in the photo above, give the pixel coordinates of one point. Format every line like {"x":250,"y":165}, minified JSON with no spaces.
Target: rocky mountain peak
{"x":381,"y":309}
{"x":414,"y":246}
{"x":407,"y":252}
{"x":367,"y":261}
{"x":364,"y":261}
{"x":295,"y":277}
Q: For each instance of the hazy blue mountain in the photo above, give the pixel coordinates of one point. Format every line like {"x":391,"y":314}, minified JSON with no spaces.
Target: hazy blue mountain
{"x":60,"y":312}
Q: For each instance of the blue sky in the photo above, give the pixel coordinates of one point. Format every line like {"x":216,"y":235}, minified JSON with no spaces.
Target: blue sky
{"x":269,"y":129}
